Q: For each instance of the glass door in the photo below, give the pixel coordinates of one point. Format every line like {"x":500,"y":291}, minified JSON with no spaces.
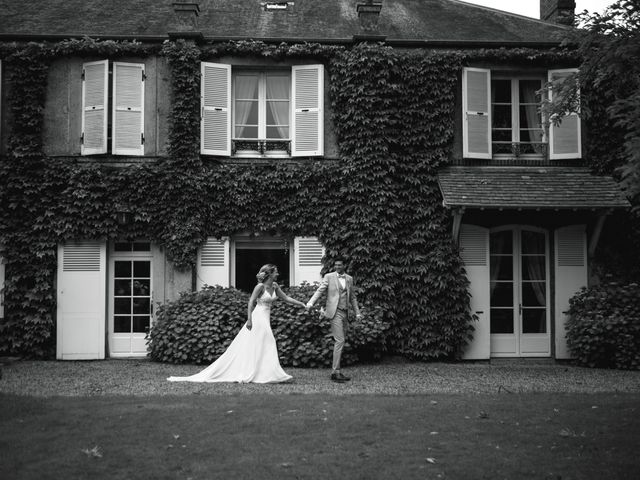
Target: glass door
{"x":130,"y":305}
{"x":519,"y":314}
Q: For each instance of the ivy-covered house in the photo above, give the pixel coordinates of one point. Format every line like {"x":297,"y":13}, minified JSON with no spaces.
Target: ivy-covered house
{"x":151,"y":147}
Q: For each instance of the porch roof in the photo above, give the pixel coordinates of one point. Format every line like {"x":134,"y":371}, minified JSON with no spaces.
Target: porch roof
{"x":543,"y":188}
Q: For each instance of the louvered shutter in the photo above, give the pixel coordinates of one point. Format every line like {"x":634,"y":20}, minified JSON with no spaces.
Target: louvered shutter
{"x":476,"y":113}
{"x":213,"y":263}
{"x":215,"y":127}
{"x":81,"y":300}
{"x":308,"y":253}
{"x":474,"y":251}
{"x":308,"y":110}
{"x":570,"y":276}
{"x":564,"y":139}
{"x":128,"y":109}
{"x":94,"y":107}
{"x":1,"y":286}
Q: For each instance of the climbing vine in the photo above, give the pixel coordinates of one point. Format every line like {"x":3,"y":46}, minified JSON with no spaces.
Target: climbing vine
{"x":378,"y":204}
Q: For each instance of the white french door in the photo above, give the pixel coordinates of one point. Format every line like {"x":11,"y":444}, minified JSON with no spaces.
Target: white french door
{"x":130,"y":298}
{"x":519,"y":286}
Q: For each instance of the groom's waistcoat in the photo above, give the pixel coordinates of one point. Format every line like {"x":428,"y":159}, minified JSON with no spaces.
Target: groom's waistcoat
{"x":342,"y":301}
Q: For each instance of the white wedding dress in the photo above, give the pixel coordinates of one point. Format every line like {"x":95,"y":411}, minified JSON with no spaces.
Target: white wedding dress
{"x":252,"y":355}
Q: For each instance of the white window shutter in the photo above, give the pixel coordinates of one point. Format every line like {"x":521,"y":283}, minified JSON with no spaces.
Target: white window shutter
{"x":308,"y":110}
{"x":215,"y":125}
{"x":564,"y":139}
{"x":570,"y":276}
{"x":308,"y":253}
{"x":127,"y":130}
{"x":474,"y":251}
{"x":476,"y":113}
{"x":94,"y":107}
{"x":213,"y":263}
{"x":2,"y":286}
{"x":82,"y":270}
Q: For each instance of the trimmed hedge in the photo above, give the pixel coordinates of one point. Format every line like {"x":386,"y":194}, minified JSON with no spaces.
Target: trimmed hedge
{"x":603,"y":329}
{"x":199,"y":326}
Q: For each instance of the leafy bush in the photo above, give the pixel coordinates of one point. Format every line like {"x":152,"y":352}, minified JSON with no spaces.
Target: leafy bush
{"x":199,"y":326}
{"x":603,"y":329}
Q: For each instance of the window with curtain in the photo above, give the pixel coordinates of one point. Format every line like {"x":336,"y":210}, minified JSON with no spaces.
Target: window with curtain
{"x":516,"y":119}
{"x":261,"y":107}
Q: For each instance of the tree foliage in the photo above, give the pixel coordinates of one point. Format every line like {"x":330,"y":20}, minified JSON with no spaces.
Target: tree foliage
{"x":606,"y":90}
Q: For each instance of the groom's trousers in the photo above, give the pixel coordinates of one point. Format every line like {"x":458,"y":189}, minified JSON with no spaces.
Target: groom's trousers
{"x":338,"y":325}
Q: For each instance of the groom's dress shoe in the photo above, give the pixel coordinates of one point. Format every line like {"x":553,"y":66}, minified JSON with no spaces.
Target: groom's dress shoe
{"x":336,"y":378}
{"x":343,"y":378}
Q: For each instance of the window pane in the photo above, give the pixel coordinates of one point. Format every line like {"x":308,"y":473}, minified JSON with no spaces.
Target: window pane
{"x":501,"y":136}
{"x":278,"y":86}
{"x":529,"y":116}
{"x":122,"y":287}
{"x":501,"y":91}
{"x":279,"y":133}
{"x":501,"y":116}
{"x":141,"y":305}
{"x":501,"y":294}
{"x":533,"y":242}
{"x":122,"y":306}
{"x":246,"y":113}
{"x":528,"y":90}
{"x":140,"y":323}
{"x":141,"y":287}
{"x":534,"y":320}
{"x":121,"y":324}
{"x":501,"y":242}
{"x":122,"y":269}
{"x":122,"y":247}
{"x":141,"y":247}
{"x":142,"y":269}
{"x":501,"y":320}
{"x":534,"y":268}
{"x":531,"y":136}
{"x":278,"y":113}
{"x":246,"y":86}
{"x":534,"y":294}
{"x":247,"y":132}
{"x":501,"y":267}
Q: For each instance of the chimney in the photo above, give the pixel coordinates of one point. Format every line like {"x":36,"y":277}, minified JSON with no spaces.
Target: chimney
{"x":368,"y":14}
{"x":184,"y":23}
{"x":558,"y":11}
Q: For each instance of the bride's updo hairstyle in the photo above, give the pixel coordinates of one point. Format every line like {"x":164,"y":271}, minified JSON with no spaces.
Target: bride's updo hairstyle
{"x":265,"y":272}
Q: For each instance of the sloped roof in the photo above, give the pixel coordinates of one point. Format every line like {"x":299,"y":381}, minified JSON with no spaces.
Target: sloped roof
{"x":446,"y":21}
{"x":528,"y":188}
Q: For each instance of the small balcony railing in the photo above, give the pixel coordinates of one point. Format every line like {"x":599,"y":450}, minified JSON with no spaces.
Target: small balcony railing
{"x":518,"y":149}
{"x":260,"y":146}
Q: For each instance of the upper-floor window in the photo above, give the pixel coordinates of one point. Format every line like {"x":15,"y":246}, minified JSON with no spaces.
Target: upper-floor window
{"x":262,"y":112}
{"x":515,"y":116}
{"x":112,"y":110}
{"x":502,"y":118}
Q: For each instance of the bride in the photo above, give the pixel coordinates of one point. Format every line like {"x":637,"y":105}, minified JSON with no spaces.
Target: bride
{"x":252,"y":356}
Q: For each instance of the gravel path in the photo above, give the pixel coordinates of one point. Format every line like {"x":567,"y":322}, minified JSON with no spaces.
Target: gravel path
{"x":391,"y":377}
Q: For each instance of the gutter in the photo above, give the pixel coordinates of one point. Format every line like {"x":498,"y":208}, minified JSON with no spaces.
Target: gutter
{"x":395,"y":42}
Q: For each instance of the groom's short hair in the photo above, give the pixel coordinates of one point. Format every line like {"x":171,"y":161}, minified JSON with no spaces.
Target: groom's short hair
{"x":339,"y":259}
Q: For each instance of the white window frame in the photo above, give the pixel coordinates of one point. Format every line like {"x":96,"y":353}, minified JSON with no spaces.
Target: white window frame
{"x":306,"y":111}
{"x":262,"y":110}
{"x":515,"y":112}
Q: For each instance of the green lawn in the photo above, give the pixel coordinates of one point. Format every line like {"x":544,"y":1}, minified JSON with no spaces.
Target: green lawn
{"x":457,"y":436}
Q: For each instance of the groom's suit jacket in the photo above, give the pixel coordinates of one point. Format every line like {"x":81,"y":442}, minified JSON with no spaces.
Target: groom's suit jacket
{"x":331,"y":285}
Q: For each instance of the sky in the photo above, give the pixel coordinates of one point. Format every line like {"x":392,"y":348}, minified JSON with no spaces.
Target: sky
{"x":531,"y":8}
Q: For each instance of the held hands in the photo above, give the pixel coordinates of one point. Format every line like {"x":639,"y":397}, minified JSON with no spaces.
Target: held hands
{"x":249,"y":325}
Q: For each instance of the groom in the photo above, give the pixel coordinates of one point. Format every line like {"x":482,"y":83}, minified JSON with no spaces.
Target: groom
{"x":339,"y":288}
